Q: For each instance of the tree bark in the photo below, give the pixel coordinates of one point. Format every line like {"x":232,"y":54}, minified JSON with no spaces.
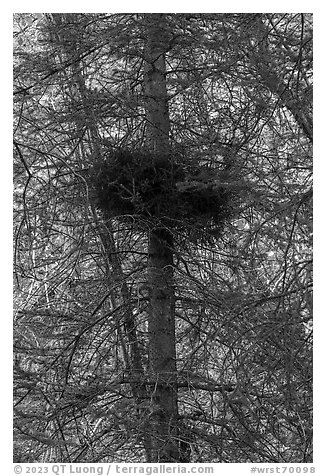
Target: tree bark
{"x":161,"y":323}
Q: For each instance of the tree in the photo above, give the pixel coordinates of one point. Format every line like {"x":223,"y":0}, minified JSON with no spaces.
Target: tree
{"x":162,"y":243}
{"x":161,"y":321}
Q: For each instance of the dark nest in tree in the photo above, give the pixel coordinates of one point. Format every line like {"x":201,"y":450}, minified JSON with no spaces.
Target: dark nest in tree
{"x":152,"y":190}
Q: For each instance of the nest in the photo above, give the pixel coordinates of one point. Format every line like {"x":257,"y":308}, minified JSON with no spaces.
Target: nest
{"x":161,"y":189}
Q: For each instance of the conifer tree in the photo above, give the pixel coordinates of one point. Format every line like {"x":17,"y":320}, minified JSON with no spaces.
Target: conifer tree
{"x":163,"y":193}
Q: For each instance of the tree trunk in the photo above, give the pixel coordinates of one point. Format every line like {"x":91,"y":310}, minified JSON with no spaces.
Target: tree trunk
{"x":161,"y":324}
{"x":162,"y":356}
